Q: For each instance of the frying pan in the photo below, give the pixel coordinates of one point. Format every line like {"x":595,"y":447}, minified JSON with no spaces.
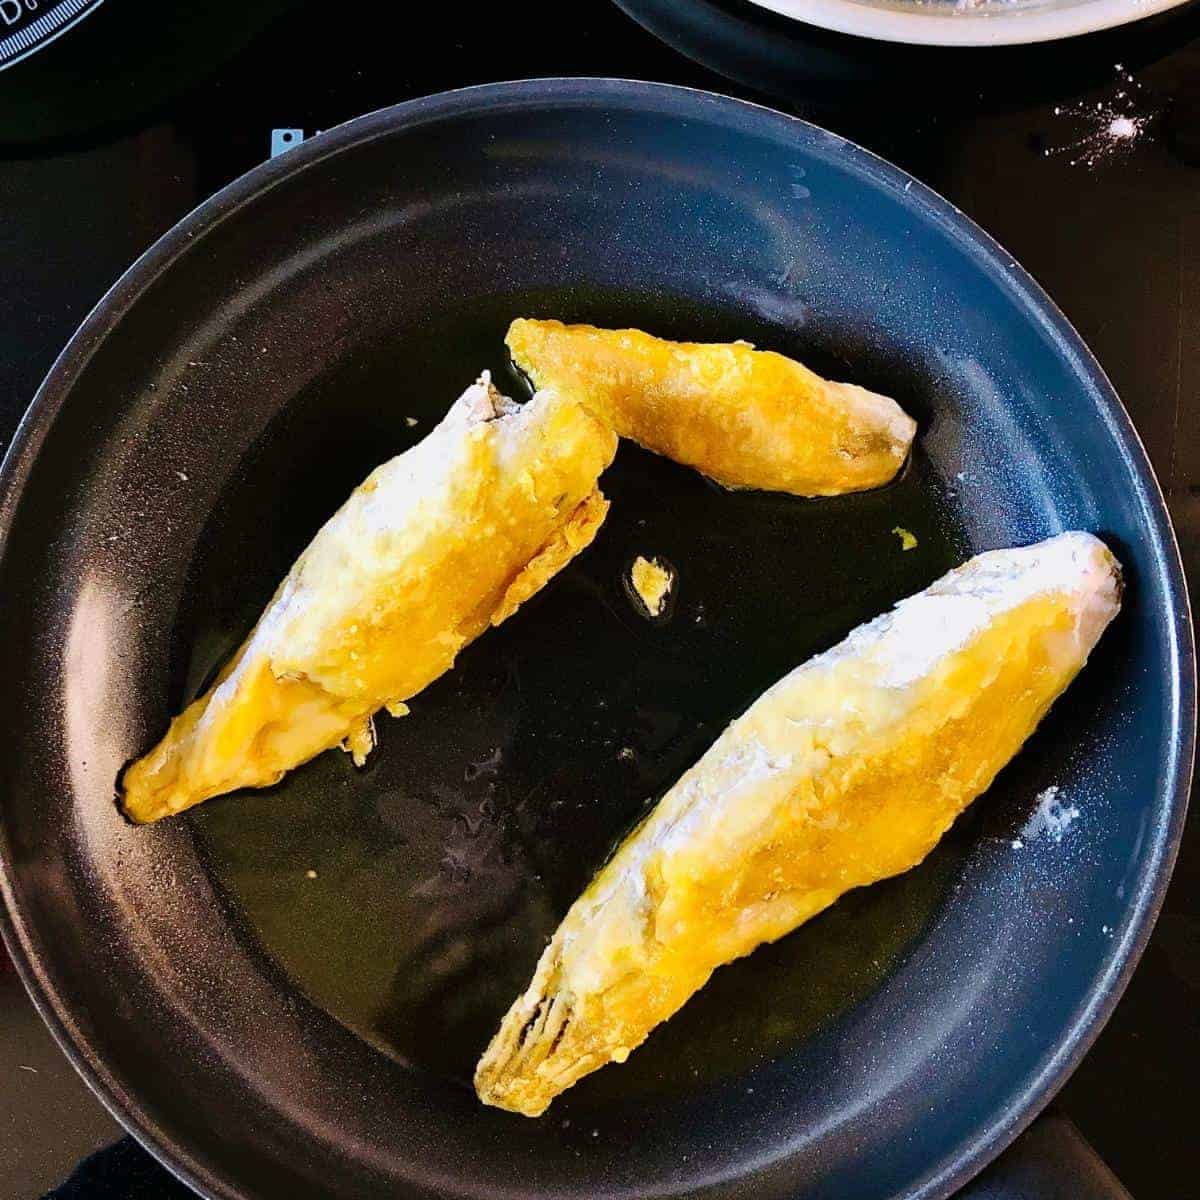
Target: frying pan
{"x":282,"y":994}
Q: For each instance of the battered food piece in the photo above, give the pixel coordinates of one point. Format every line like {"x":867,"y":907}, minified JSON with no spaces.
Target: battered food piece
{"x":746,"y":418}
{"x":651,"y":583}
{"x":432,"y":548}
{"x":845,"y":772}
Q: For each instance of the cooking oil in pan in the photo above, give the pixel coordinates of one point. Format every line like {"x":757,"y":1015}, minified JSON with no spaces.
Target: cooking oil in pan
{"x":411,"y":899}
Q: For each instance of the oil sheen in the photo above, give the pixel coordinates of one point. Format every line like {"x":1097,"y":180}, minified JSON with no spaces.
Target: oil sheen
{"x":411,"y":899}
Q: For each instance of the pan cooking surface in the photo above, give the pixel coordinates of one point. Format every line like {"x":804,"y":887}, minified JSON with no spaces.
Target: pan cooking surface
{"x":486,"y":811}
{"x":285,"y":992}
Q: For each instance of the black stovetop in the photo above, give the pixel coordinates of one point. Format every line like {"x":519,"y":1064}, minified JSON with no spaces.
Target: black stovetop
{"x":1080,"y":159}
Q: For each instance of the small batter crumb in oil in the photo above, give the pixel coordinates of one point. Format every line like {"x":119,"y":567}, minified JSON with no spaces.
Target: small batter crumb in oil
{"x":652,"y":580}
{"x":908,"y":539}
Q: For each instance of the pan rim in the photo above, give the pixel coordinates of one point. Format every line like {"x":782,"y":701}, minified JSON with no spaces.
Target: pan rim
{"x":941,"y":1178}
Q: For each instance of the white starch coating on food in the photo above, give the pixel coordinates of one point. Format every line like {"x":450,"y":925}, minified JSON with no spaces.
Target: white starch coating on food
{"x":957,"y":607}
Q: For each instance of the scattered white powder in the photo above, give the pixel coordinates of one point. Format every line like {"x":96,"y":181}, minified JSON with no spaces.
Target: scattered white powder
{"x":1104,"y":128}
{"x":1051,"y":817}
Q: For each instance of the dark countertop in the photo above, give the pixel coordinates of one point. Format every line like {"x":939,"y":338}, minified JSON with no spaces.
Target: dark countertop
{"x":113,"y":133}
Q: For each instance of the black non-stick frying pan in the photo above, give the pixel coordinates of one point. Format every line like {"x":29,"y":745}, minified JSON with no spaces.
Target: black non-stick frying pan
{"x":283,"y":994}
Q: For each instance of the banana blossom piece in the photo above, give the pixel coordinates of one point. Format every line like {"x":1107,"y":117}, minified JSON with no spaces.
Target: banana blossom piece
{"x":746,"y":418}
{"x":845,"y":772}
{"x":431,"y":549}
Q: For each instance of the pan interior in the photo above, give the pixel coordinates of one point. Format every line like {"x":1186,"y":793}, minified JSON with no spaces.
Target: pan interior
{"x":441,"y":869}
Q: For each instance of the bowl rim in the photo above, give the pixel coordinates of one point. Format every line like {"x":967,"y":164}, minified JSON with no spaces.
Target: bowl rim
{"x":942,"y":24}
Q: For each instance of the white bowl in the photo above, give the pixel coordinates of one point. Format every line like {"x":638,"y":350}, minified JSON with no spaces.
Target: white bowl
{"x":968,"y":22}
